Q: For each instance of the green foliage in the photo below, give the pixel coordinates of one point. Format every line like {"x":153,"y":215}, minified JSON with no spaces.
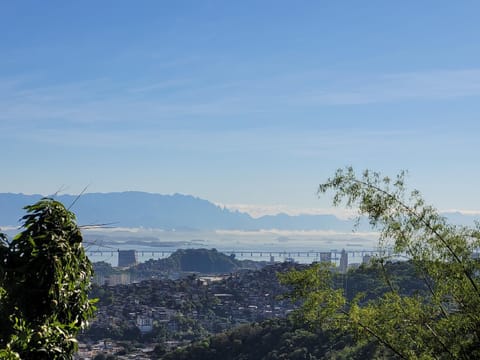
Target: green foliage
{"x":45,"y":278}
{"x":441,"y":322}
{"x":272,"y":340}
{"x":314,"y":286}
{"x":197,"y":260}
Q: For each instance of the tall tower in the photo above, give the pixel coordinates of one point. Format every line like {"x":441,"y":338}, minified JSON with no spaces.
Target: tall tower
{"x":127,"y":258}
{"x":343,"y":261}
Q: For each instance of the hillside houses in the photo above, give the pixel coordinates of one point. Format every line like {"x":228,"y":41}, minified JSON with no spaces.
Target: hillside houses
{"x":187,"y":309}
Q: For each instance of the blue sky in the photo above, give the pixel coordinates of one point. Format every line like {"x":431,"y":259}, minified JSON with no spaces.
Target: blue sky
{"x":249,"y":102}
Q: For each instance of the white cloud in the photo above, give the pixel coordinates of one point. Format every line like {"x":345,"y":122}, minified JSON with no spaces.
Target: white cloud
{"x":9,"y":228}
{"x":259,"y":210}
{"x":462,"y":212}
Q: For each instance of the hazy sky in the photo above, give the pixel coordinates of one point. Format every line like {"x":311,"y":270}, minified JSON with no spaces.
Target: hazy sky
{"x":246,"y":102}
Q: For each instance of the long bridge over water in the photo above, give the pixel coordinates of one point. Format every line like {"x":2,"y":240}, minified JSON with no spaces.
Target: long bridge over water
{"x":244,"y":254}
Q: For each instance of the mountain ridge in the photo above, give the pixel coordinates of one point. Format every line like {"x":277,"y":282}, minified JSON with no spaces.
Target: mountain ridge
{"x":175,"y":211}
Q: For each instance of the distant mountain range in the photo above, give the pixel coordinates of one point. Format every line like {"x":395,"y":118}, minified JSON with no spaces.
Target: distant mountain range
{"x":181,"y":212}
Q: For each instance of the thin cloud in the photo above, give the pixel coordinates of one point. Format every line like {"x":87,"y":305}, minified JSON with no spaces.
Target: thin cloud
{"x":162,"y":85}
{"x":100,"y":101}
{"x":428,"y":85}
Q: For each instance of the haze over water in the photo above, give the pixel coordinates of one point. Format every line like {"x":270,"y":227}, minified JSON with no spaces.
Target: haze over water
{"x":150,"y":243}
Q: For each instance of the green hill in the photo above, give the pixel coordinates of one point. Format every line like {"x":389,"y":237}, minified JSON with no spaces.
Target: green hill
{"x":205,"y":261}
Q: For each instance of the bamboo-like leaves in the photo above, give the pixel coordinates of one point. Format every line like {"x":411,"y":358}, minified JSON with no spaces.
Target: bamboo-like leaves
{"x":444,"y":323}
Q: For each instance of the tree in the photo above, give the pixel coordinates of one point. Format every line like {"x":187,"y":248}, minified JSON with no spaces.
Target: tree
{"x":444,"y":323}
{"x":45,"y":277}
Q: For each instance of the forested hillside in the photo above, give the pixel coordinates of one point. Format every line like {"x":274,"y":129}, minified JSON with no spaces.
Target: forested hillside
{"x":274,"y":340}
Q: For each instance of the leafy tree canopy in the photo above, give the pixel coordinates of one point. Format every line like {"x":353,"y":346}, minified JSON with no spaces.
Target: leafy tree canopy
{"x":441,"y":323}
{"x":44,"y":281}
